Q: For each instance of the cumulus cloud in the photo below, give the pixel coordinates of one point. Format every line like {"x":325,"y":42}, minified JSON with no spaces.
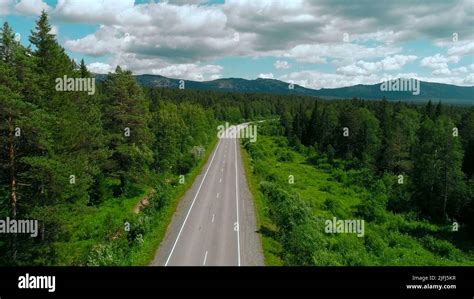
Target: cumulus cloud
{"x":97,"y":12}
{"x":190,"y":71}
{"x":343,"y":52}
{"x":390,"y":63}
{"x":31,"y":7}
{"x":185,"y":38}
{"x":266,"y":76}
{"x":100,"y":68}
{"x":4,"y":7}
{"x":265,"y":28}
{"x":462,"y":49}
{"x":281,"y":65}
{"x":318,"y":80}
{"x":152,"y":65}
{"x":439,"y":63}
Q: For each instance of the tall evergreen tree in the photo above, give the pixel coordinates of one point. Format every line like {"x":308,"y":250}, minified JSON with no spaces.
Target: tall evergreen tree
{"x":313,"y":128}
{"x":127,"y":127}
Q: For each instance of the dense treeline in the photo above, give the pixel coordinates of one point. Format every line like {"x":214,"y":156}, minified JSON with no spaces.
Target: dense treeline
{"x":67,"y":155}
{"x":298,"y":188}
{"x":429,"y":147}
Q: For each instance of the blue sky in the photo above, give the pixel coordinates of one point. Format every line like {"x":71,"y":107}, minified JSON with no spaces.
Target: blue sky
{"x":313,"y":43}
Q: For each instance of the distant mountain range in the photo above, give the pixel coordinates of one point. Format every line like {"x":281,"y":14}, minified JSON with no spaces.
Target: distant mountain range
{"x":447,"y":93}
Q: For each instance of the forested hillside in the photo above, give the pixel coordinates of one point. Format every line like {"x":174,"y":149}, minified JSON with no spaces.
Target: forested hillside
{"x":449,"y":94}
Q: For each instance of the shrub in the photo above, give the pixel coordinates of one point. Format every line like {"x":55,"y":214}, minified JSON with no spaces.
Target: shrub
{"x":105,"y":255}
{"x":286,"y":156}
{"x":440,"y":247}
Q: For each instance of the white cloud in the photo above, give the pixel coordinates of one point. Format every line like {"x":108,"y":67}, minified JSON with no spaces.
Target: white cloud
{"x":463,"y":49}
{"x":4,"y":7}
{"x":106,"y":40}
{"x":156,"y":66}
{"x":362,"y":67}
{"x":93,"y":11}
{"x":439,"y":63}
{"x":345,"y":52}
{"x":460,"y":70}
{"x":281,"y":65}
{"x":100,"y":68}
{"x":266,"y":76}
{"x":172,"y":37}
{"x":442,"y":71}
{"x":396,"y":62}
{"x":31,"y":7}
{"x":351,"y":70}
{"x":190,"y":72}
{"x":317,"y":80}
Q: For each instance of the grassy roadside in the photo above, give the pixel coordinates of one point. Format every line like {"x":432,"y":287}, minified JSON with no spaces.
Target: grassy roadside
{"x":145,"y":254}
{"x":270,"y":247}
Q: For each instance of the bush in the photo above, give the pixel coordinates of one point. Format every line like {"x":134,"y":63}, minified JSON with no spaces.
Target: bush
{"x":335,"y":207}
{"x":287,"y":210}
{"x":373,"y":208}
{"x":286,"y":156}
{"x":301,"y":243}
{"x":159,"y":199}
{"x":440,"y":247}
{"x":105,"y":255}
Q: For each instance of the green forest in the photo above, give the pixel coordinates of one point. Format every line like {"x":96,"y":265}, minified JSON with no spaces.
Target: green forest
{"x":81,"y":164}
{"x":103,"y":173}
{"x":406,"y":170}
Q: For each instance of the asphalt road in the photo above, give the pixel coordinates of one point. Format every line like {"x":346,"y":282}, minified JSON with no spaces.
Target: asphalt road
{"x":214,"y":224}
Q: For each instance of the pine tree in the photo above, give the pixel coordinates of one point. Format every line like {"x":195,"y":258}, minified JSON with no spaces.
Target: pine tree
{"x":400,"y":139}
{"x":83,"y":71}
{"x":312,"y":129}
{"x":20,"y":129}
{"x":127,"y":128}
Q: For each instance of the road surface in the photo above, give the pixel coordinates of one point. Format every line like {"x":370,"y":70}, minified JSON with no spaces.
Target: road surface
{"x":214,"y":224}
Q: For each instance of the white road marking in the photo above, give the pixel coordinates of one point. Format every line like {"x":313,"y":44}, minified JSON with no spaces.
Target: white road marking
{"x":222,"y":169}
{"x":217,"y":195}
{"x":237,"y":202}
{"x":205,"y":258}
{"x":220,"y":180}
{"x":192,"y":204}
{"x":213,"y":218}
